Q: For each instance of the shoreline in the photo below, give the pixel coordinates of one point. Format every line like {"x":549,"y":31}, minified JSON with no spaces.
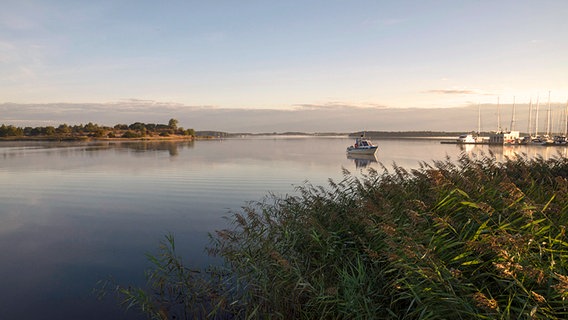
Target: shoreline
{"x":95,"y":139}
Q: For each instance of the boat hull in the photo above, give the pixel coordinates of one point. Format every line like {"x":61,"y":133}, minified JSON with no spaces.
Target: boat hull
{"x":366,"y":151}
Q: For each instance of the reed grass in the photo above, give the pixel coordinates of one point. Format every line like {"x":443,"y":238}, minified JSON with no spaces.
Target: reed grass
{"x":471,"y":238}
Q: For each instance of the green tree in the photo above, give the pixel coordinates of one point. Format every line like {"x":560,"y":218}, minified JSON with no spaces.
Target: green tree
{"x":28,"y":131}
{"x":188,"y":132}
{"x":36,"y":131}
{"x":99,"y":133}
{"x":138,"y":126}
{"x":63,"y":129}
{"x":10,"y":131}
{"x":91,"y":127}
{"x":49,"y":131}
{"x":121,"y":127}
{"x":151,"y":127}
{"x":78,"y":129}
{"x":173,"y":123}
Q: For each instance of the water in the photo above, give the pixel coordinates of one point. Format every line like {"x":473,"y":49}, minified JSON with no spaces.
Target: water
{"x":75,"y":213}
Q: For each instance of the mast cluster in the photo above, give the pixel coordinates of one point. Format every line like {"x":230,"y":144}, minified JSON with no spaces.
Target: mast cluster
{"x":555,"y":130}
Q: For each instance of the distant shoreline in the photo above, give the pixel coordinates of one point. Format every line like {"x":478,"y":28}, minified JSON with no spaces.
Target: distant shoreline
{"x":208,"y":135}
{"x":369,"y":134}
{"x":85,"y":138}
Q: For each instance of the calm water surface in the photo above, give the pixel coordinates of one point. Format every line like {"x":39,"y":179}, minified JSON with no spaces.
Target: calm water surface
{"x":75,"y":213}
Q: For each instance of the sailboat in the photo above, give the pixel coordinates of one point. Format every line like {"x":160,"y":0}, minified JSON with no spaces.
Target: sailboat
{"x":528,"y":139}
{"x":504,"y":137}
{"x":563,"y":139}
{"x":545,"y":139}
{"x":537,"y":139}
{"x":512,"y":136}
{"x":472,"y":138}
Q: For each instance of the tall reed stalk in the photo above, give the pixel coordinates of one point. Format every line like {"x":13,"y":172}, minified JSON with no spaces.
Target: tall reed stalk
{"x":471,"y":238}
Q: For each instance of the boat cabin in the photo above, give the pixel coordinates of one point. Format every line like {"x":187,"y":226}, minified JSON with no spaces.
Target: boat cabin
{"x":361,"y":142}
{"x":511,"y":137}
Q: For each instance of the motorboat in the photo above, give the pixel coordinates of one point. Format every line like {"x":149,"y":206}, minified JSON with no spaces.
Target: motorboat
{"x":560,"y":140}
{"x":362,"y":145}
{"x":469,"y":139}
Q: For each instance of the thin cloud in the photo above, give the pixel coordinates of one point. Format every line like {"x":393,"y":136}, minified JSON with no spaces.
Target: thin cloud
{"x":336,"y":105}
{"x":325,"y":117}
{"x":452,"y":91}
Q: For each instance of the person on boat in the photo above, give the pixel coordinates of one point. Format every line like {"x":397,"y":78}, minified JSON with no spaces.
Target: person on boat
{"x":358,"y":142}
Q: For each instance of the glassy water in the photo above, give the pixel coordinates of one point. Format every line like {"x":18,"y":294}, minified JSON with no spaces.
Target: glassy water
{"x":75,"y":213}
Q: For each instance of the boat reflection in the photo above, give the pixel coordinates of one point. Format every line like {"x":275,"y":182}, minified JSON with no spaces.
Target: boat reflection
{"x":503,"y":152}
{"x":362,"y":160}
{"x":467,"y":148}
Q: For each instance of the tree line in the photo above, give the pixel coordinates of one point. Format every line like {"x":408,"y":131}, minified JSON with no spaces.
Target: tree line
{"x":134,"y":130}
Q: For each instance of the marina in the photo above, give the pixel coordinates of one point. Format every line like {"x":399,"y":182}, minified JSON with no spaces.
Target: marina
{"x":555,"y":135}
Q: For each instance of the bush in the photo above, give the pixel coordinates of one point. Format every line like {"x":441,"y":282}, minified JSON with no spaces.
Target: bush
{"x":470,"y":239}
{"x":130,"y":135}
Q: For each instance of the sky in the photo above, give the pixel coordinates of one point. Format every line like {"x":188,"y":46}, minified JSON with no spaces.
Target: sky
{"x":289,"y":57}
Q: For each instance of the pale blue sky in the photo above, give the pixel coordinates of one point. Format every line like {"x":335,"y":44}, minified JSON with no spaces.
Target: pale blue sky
{"x":283,"y":54}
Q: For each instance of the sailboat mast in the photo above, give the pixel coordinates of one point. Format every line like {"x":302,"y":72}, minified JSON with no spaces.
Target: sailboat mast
{"x":498,"y":116}
{"x":566,"y":118}
{"x":478,"y":119}
{"x":536,"y":118}
{"x":512,"y":127}
{"x":530,"y":118}
{"x":548,"y":116}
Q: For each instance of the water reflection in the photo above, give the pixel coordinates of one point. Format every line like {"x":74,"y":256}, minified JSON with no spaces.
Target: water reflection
{"x":74,"y":213}
{"x":24,"y":148}
{"x":503,"y":152}
{"x":172,"y":147}
{"x":467,"y":148}
{"x":362,"y":160}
